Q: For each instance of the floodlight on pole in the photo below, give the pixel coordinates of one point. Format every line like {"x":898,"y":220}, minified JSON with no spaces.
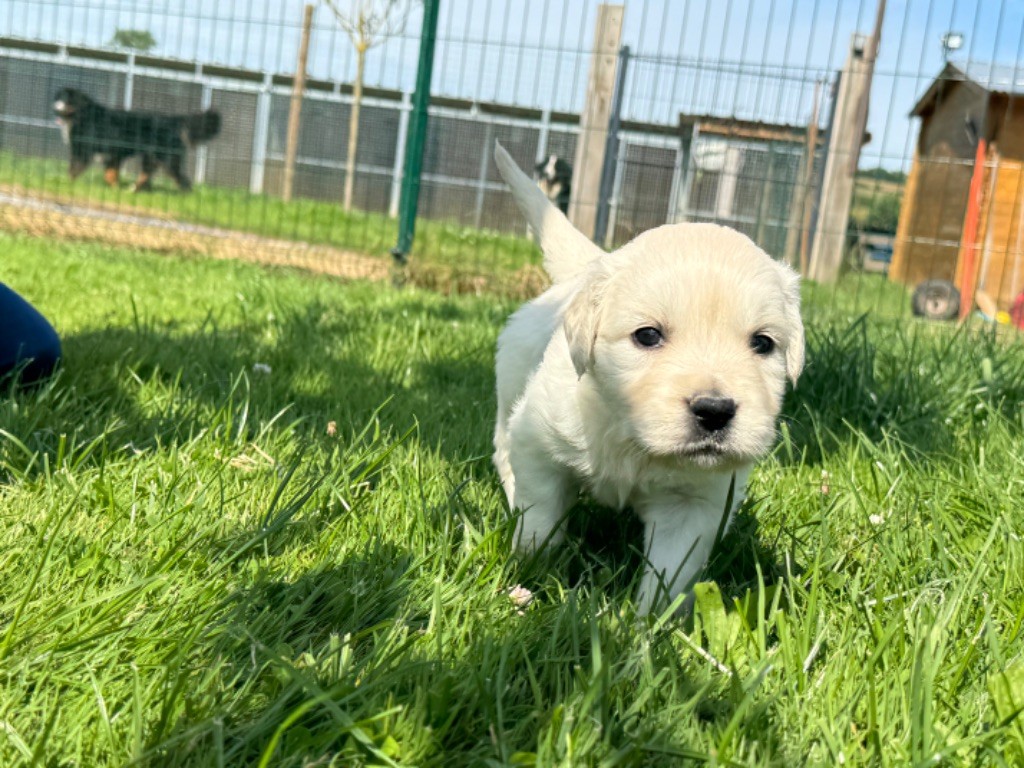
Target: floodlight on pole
{"x":951,"y":41}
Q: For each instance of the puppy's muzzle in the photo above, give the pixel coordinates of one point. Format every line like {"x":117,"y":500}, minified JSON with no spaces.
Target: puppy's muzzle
{"x":712,"y":412}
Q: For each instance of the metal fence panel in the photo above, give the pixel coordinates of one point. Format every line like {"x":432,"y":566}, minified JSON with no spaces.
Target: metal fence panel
{"x":748,"y":185}
{"x":167,"y":96}
{"x":647,"y":176}
{"x":460,"y":181}
{"x":229,"y":161}
{"x":323,"y":150}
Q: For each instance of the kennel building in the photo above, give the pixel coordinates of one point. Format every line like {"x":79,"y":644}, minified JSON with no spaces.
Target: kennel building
{"x":962,"y":217}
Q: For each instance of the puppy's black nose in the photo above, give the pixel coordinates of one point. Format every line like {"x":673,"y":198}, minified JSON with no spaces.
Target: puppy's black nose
{"x":713,"y":413}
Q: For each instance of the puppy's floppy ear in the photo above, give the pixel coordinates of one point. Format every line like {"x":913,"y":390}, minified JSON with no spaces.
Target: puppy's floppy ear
{"x":581,"y":316}
{"x":567,"y":251}
{"x":795,"y":344}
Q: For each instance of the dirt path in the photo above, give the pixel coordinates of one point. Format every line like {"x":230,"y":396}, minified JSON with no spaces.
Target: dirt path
{"x":44,"y":216}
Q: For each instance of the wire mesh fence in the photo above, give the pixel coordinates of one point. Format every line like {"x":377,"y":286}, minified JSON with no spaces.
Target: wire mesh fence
{"x":872,"y":145}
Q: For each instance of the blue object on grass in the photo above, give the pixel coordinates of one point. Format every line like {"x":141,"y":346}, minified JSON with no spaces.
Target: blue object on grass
{"x":29,"y":346}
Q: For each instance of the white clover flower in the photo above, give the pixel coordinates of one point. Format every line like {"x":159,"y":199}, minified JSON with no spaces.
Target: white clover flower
{"x":520,"y":597}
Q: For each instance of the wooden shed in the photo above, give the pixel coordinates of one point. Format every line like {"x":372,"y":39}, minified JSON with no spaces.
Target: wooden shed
{"x":962,"y":217}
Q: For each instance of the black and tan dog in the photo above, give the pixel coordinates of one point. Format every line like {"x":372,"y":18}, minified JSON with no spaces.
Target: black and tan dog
{"x":114,"y":135}
{"x":554,"y":176}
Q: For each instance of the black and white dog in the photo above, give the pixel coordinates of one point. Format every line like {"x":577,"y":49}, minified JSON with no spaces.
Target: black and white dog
{"x":554,"y":177}
{"x":90,"y":129}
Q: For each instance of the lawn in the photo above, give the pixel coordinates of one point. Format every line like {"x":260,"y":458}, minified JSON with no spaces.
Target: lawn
{"x":253,"y":522}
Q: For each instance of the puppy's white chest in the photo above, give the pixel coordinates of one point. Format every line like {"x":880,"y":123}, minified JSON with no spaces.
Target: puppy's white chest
{"x":632,"y":482}
{"x":615,"y":484}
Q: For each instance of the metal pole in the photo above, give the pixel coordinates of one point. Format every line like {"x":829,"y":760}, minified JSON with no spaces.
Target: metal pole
{"x":611,"y":151}
{"x":683,"y":208}
{"x":260,"y":135}
{"x":613,"y":212}
{"x":543,"y":135}
{"x":202,"y":155}
{"x":481,"y":179}
{"x":396,"y":169}
{"x":129,"y":81}
{"x":417,"y":134}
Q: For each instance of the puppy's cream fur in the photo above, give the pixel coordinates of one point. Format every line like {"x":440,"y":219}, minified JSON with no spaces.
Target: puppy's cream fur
{"x":583,"y":405}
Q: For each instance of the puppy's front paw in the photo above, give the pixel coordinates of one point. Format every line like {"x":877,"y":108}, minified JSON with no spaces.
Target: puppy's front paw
{"x":535,"y":532}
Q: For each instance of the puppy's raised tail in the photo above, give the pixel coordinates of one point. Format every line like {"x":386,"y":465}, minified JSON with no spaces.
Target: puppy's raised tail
{"x":567,"y":251}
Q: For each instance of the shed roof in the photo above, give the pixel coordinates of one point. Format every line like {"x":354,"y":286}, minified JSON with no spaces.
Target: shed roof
{"x":985,"y":77}
{"x":745,"y":129}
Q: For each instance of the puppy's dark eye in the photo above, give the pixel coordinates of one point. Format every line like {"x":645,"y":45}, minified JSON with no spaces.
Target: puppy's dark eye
{"x":648,"y":337}
{"x":762,"y":344}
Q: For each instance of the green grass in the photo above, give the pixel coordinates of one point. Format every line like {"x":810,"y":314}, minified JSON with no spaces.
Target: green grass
{"x":196,"y":571}
{"x":856,"y":293}
{"x":456,"y":252}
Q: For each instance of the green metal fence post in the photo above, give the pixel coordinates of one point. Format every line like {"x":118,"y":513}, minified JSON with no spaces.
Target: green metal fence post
{"x":417,"y":134}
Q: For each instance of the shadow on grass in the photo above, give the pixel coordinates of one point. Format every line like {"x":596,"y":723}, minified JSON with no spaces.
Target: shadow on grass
{"x":344,"y":599}
{"x":318,"y":658}
{"x":278,"y":644}
{"x":152,"y":384}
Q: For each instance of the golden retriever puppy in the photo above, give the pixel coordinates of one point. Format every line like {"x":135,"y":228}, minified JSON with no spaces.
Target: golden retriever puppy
{"x":650,"y":377}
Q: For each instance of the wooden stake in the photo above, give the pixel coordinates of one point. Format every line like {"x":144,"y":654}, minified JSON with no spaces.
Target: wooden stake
{"x":295,"y":109}
{"x":807,"y":200}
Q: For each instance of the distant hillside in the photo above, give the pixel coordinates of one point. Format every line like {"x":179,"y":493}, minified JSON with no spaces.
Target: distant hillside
{"x":881,"y":174}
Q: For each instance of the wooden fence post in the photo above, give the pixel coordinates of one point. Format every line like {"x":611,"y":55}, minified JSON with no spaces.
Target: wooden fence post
{"x":591,"y":147}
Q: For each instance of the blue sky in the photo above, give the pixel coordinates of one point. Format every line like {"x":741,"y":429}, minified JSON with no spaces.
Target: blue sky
{"x":755,"y":59}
